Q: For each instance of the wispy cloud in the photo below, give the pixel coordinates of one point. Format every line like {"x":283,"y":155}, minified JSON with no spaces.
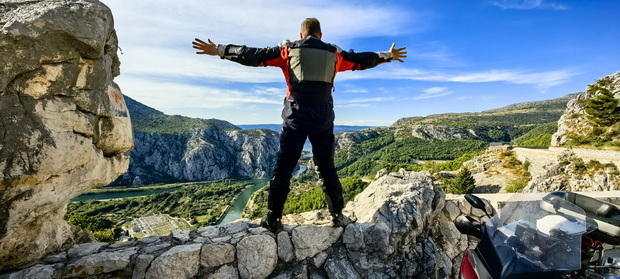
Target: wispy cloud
{"x":171,"y":95}
{"x":368,"y":100}
{"x":357,"y":90}
{"x":538,"y":79}
{"x":529,"y":4}
{"x":433,"y":92}
{"x":353,"y":106}
{"x":363,"y":102}
{"x":541,"y":80}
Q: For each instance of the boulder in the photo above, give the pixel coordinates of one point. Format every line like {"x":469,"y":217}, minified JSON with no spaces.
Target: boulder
{"x":310,"y":240}
{"x":64,"y":125}
{"x":179,"y":262}
{"x":217,"y":254}
{"x":100,"y":263}
{"x":257,"y":256}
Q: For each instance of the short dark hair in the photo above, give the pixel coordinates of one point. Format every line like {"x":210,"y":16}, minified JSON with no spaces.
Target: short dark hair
{"x":310,"y":26}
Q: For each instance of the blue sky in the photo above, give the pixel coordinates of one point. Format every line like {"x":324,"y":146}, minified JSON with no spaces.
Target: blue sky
{"x":464,"y":55}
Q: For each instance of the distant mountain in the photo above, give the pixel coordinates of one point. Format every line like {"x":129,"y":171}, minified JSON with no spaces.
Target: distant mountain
{"x":173,"y":148}
{"x":278,"y":127}
{"x":527,"y":113}
{"x":149,"y":120}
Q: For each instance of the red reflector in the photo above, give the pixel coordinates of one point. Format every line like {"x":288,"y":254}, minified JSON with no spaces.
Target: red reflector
{"x":467,"y":270}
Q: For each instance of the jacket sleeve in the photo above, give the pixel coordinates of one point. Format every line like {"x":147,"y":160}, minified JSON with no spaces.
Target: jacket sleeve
{"x":249,"y":56}
{"x":361,"y":61}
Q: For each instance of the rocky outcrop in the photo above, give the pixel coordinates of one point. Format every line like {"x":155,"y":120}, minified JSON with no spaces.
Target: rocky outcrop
{"x":209,"y":154}
{"x":64,"y":125}
{"x":551,"y":169}
{"x":570,"y":172}
{"x":574,"y":121}
{"x":439,"y":132}
{"x":488,"y":170}
{"x":403,"y":230}
{"x":345,"y":140}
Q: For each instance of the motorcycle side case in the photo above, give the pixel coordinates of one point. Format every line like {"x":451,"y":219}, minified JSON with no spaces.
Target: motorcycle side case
{"x":605,"y":216}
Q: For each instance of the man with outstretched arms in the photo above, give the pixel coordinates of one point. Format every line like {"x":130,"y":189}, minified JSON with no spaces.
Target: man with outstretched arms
{"x":309,"y":66}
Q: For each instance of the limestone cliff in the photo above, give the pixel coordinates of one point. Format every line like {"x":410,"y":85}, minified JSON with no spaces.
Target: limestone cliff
{"x":64,"y":125}
{"x":176,"y":148}
{"x":403,"y":230}
{"x":207,"y":154}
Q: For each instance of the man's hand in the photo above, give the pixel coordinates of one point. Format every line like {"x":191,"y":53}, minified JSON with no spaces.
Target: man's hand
{"x":206,"y":48}
{"x":398,"y":53}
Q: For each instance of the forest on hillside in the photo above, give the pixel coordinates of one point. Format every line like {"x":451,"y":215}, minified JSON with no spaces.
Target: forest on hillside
{"x":202,"y":204}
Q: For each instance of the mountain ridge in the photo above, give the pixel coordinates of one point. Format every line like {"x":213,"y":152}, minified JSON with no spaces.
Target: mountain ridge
{"x":149,"y":120}
{"x":546,"y":109}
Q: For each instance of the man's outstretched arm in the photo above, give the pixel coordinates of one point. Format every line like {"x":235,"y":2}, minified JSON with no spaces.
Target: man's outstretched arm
{"x":366,"y":60}
{"x":248,"y":56}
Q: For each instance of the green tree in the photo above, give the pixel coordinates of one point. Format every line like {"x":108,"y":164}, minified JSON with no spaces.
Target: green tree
{"x":603,"y":108}
{"x":463,"y":183}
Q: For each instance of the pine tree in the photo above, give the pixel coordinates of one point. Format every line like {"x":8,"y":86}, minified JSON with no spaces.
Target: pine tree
{"x":603,"y":108}
{"x":463,"y":183}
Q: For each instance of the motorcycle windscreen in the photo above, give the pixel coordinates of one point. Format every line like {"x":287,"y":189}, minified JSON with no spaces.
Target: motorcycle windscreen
{"x":536,"y":235}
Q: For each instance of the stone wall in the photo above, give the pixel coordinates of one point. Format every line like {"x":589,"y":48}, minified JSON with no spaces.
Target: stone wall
{"x":403,"y":229}
{"x":64,"y":126}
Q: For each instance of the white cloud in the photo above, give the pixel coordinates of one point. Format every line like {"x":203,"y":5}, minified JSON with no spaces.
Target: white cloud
{"x":259,"y":23}
{"x":367,"y":100}
{"x":271,"y":92}
{"x":174,"y":63}
{"x":541,"y":80}
{"x":529,"y":4}
{"x":170,"y":95}
{"x":364,"y":102}
{"x":358,"y":90}
{"x":433,"y":92}
{"x":353,"y":106}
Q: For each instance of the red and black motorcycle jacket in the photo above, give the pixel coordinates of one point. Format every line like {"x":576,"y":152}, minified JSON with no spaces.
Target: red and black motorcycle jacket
{"x":309,"y":65}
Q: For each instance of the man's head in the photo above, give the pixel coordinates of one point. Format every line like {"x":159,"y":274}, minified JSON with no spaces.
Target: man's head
{"x":310,"y":26}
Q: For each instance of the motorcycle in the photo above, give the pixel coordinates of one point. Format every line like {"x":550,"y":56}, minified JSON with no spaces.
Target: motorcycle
{"x":539,"y":235}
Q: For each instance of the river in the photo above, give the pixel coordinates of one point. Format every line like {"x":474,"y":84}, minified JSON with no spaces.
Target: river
{"x":236,"y":208}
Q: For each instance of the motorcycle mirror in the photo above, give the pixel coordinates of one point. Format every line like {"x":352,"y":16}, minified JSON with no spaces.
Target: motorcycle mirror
{"x":476,"y":202}
{"x":466,"y":225}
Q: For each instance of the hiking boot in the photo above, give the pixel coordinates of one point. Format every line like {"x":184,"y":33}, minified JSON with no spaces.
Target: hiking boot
{"x":274,"y":226}
{"x":337,"y":220}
